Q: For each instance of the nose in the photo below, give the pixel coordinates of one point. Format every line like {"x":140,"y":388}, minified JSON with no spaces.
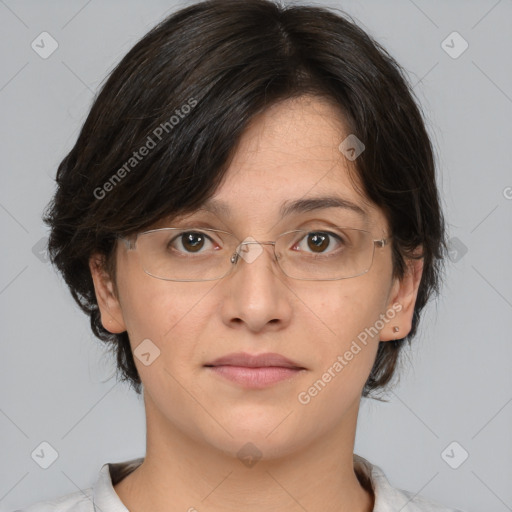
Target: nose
{"x":255,"y":293}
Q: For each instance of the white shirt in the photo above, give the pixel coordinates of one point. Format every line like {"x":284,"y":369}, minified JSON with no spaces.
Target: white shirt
{"x":103,"y":498}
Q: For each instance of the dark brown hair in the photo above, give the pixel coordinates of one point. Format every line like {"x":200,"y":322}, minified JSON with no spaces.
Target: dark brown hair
{"x":187,"y":91}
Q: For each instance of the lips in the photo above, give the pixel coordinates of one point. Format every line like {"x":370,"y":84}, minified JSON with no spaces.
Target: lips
{"x":255,"y":371}
{"x":243,"y":359}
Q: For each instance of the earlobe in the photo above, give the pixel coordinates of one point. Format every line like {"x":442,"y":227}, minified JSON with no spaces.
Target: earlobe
{"x":108,"y":302}
{"x":402,"y":301}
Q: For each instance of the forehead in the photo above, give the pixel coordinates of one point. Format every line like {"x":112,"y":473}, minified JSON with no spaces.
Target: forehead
{"x":288,"y":163}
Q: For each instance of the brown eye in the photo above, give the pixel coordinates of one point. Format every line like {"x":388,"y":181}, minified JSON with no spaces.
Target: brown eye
{"x":319,"y":242}
{"x":189,"y":241}
{"x":193,"y":241}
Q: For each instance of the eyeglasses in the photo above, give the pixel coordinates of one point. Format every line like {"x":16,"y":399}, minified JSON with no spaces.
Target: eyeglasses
{"x":203,"y":254}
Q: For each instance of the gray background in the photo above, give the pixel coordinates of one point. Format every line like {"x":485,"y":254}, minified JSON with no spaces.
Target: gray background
{"x":56,"y":379}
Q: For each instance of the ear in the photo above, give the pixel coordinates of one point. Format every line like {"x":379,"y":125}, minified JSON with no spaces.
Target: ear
{"x":402,"y":301}
{"x":106,"y":296}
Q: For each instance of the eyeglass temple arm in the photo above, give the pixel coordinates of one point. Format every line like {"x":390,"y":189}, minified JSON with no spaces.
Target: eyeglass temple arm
{"x":382,"y":242}
{"x":130,"y":244}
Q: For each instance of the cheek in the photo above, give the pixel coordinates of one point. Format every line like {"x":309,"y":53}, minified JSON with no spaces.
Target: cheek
{"x":167,"y":313}
{"x":346,"y":309}
{"x":345,"y":328}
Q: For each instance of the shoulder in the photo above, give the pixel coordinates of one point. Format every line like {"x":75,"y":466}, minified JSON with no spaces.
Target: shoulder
{"x":100,"y":496}
{"x":416,"y":503}
{"x":389,"y":498}
{"x":79,"y":501}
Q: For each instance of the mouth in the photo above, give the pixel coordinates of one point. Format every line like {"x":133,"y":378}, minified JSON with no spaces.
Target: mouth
{"x":255,"y":371}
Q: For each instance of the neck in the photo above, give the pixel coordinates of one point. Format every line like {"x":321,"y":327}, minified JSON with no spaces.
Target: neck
{"x":181,"y":472}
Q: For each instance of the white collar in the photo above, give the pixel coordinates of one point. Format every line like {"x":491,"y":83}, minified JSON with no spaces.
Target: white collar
{"x":387,"y":498}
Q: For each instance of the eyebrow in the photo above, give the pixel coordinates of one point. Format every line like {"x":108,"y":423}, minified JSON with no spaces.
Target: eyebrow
{"x":298,"y":206}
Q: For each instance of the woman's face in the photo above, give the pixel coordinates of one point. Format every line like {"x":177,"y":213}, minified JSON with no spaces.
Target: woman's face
{"x":289,"y":153}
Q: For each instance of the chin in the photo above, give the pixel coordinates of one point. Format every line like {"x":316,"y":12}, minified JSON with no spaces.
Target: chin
{"x":263,"y":438}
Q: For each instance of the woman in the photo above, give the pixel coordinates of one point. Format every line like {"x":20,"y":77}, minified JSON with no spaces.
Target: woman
{"x":251,"y":220}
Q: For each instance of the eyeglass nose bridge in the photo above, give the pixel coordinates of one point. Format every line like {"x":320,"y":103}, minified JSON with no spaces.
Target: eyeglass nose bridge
{"x":236,"y":255}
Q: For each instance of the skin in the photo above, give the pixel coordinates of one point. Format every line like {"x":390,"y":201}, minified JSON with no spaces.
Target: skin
{"x":196,"y":421}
